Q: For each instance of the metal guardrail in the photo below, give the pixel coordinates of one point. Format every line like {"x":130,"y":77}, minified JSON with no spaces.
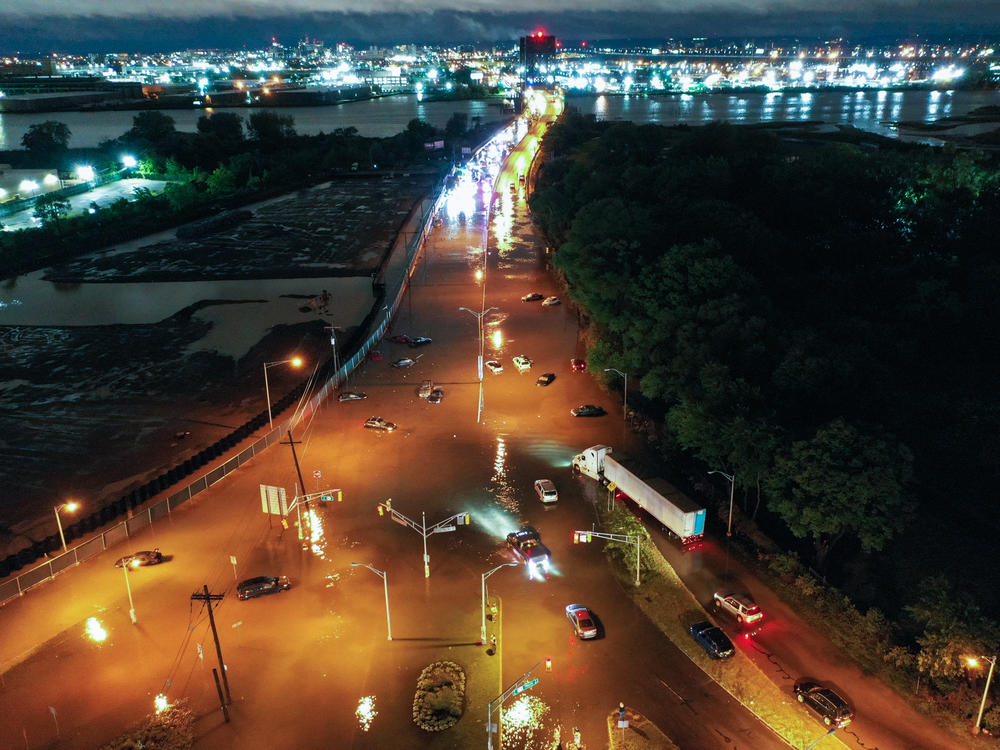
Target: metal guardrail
{"x":19,"y":584}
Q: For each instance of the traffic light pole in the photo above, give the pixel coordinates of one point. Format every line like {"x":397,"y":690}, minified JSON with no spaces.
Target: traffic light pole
{"x":518,"y":686}
{"x":449,"y":524}
{"x":585,"y":536}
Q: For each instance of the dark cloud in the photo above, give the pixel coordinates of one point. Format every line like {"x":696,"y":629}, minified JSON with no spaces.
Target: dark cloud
{"x":855,"y":19}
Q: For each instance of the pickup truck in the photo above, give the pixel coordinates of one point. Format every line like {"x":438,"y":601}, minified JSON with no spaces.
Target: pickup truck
{"x":527,"y":546}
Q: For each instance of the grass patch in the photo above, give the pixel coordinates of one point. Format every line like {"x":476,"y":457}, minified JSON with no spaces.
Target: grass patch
{"x":666,"y":601}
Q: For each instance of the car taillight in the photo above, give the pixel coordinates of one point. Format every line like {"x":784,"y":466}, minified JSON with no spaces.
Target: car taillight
{"x":754,"y":616}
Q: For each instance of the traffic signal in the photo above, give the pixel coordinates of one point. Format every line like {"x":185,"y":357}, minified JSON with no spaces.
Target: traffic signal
{"x":381,"y":510}
{"x":548,"y":664}
{"x":467,"y":519}
{"x":284,"y":523}
{"x":576,"y":538}
{"x":340,"y":496}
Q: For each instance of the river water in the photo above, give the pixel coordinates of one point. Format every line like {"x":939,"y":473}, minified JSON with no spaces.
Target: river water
{"x":869,"y":109}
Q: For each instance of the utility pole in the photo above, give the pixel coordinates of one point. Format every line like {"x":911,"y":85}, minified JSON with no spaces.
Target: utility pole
{"x":208,"y":599}
{"x":298,"y":471}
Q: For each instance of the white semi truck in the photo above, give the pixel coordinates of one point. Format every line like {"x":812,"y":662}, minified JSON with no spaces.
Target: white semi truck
{"x":664,"y":502}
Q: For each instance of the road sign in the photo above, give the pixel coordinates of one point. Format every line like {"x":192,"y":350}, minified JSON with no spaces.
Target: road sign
{"x":318,"y":474}
{"x":273,"y":500}
{"x":521,"y":688}
{"x":442,"y":529}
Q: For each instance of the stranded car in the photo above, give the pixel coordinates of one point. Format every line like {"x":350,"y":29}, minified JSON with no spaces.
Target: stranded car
{"x":419,"y":341}
{"x":143,"y":557}
{"x":740,"y":606}
{"x":527,"y":545}
{"x":546,"y":490}
{"x":522,"y":363}
{"x":582,"y":621}
{"x":400,"y":338}
{"x":577,"y":365}
{"x":712,"y":639}
{"x":425,"y":389}
{"x":377,"y":423}
{"x":549,"y":301}
{"x":588,"y":410}
{"x":532,"y":297}
{"x":545,"y":379}
{"x":436,"y":395}
{"x":352,"y":396}
{"x":831,"y":708}
{"x":261,"y":586}
{"x":404,"y":362}
{"x":493,"y":366}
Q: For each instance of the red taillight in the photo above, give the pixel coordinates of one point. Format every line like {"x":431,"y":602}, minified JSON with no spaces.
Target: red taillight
{"x":754,"y":616}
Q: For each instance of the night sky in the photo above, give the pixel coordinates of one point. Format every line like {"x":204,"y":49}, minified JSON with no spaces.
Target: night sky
{"x":32,"y":26}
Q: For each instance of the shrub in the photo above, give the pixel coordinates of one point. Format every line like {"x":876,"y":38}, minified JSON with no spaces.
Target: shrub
{"x":440,"y":698}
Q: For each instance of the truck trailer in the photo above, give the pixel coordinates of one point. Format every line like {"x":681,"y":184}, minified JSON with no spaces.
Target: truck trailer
{"x":664,"y":502}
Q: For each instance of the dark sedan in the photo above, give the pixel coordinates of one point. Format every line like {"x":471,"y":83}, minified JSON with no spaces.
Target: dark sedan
{"x":588,"y":410}
{"x":712,"y":639}
{"x":419,"y":341}
{"x":545,"y":379}
{"x":828,"y":705}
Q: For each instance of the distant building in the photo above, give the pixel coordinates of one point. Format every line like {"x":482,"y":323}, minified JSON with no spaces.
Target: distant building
{"x":537,"y":51}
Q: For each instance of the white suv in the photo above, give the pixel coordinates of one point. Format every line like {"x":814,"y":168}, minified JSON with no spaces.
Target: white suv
{"x":546,"y":490}
{"x":740,"y":606}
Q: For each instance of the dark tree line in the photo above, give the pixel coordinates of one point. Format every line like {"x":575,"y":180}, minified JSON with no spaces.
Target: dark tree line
{"x":817,"y":319}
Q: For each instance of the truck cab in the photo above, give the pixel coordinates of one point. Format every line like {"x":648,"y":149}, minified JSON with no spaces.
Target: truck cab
{"x":590,"y":463}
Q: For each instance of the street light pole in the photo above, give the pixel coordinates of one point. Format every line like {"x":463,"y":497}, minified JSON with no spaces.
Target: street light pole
{"x":982,"y":704}
{"x":732,"y":487}
{"x":625,"y":408}
{"x":296,"y":362}
{"x":70,"y":506}
{"x":128,"y":588}
{"x":384,"y":575}
{"x":482,"y":631}
{"x":482,"y":345}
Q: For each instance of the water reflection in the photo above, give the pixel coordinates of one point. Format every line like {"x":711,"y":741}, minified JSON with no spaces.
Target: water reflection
{"x":500,"y":486}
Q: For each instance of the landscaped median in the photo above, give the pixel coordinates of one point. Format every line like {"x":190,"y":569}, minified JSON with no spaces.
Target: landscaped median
{"x":663,"y":597}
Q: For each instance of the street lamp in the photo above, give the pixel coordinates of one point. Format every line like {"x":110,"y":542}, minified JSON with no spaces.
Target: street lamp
{"x":70,"y":506}
{"x":732,"y":487}
{"x":625,"y":408}
{"x":482,"y":631}
{"x":385,"y":584}
{"x":479,"y":319}
{"x":296,"y":362}
{"x":973,"y":662}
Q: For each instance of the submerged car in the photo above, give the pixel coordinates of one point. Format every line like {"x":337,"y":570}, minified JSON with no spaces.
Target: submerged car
{"x":588,"y":410}
{"x":437,"y":395}
{"x":377,"y":423}
{"x":140,"y":558}
{"x":261,"y":586}
{"x":546,"y":490}
{"x":493,"y":366}
{"x":828,"y":705}
{"x":400,"y":338}
{"x":577,"y":365}
{"x":549,"y":301}
{"x":532,"y":296}
{"x":404,"y":362}
{"x":419,"y":341}
{"x":352,"y":396}
{"x":711,"y":638}
{"x":545,"y":378}
{"x":425,"y":388}
{"x":522,"y":363}
{"x":582,"y":621}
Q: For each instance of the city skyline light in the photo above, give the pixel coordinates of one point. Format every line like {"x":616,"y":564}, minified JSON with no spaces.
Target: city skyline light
{"x":101,"y":25}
